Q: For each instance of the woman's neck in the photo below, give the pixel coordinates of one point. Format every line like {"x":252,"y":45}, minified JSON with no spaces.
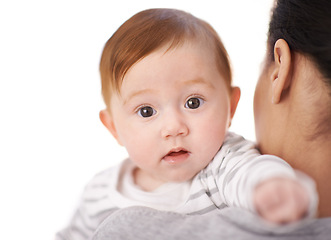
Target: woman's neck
{"x":307,"y":135}
{"x":313,"y":158}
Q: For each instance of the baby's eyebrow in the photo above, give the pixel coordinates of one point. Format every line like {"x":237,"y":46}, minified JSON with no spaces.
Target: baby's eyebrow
{"x":198,"y":81}
{"x":137,"y":93}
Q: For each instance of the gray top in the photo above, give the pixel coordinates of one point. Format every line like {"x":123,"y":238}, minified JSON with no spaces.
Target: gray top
{"x":229,"y":223}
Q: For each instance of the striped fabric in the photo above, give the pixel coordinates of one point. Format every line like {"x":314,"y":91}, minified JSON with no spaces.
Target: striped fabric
{"x":228,"y":180}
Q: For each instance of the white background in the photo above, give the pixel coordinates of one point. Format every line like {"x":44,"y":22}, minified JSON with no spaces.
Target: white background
{"x":51,"y":139}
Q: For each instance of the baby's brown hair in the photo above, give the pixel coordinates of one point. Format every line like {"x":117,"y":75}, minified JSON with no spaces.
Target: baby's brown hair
{"x":148,"y":31}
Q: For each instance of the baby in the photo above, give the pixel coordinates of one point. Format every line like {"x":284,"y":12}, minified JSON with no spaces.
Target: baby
{"x":166,"y":82}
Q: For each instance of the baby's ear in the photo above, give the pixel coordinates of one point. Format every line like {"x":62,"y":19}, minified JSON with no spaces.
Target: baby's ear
{"x":108,"y":122}
{"x":234,"y":99}
{"x":235,"y":96}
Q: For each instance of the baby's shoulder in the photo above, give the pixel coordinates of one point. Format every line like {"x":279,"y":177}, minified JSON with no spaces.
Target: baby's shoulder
{"x":105,"y":177}
{"x":234,"y":142}
{"x":234,"y":148}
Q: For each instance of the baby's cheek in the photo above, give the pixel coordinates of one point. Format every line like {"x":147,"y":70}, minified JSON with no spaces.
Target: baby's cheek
{"x":212,"y":137}
{"x":216,"y":130}
{"x":139,"y":149}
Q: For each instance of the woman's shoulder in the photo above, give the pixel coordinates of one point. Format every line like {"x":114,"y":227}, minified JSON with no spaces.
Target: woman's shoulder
{"x":228,"y":223}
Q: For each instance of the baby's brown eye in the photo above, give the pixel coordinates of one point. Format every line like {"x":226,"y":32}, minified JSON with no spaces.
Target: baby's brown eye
{"x":193,"y":103}
{"x":146,"y":112}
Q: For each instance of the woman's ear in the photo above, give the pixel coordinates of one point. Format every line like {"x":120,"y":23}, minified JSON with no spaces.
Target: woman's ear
{"x":108,"y":122}
{"x":234,"y":99}
{"x":280,"y":77}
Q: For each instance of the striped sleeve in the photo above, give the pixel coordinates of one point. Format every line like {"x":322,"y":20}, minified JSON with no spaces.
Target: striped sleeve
{"x":239,"y":167}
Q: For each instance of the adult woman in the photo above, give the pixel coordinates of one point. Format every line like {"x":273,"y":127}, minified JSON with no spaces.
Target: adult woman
{"x":293,"y":95}
{"x":293,"y":116}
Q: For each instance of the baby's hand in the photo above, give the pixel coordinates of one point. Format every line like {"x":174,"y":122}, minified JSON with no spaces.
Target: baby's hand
{"x":281,"y":200}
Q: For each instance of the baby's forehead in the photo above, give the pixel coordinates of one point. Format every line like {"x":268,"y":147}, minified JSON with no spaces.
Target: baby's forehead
{"x":185,"y":49}
{"x":190,"y":45}
{"x":185,"y":55}
{"x":182,"y":66}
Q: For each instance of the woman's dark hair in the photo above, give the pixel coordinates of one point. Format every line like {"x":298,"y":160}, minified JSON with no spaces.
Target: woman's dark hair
{"x":306,"y":26}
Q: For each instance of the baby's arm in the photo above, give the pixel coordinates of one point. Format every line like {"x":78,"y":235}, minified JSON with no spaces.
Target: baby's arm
{"x":253,"y":181}
{"x":281,"y":200}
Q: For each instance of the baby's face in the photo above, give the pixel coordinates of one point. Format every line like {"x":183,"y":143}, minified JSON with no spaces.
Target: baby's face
{"x":172,"y":113}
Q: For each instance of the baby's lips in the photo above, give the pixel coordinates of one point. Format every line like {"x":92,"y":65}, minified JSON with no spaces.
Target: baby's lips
{"x":176,"y":152}
{"x":176,"y":156}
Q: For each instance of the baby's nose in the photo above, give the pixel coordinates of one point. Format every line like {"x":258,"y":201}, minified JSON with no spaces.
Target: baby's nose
{"x":174,"y":125}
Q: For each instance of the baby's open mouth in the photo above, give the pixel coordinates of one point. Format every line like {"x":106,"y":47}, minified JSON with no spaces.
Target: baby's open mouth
{"x":176,"y":156}
{"x":177,"y":153}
